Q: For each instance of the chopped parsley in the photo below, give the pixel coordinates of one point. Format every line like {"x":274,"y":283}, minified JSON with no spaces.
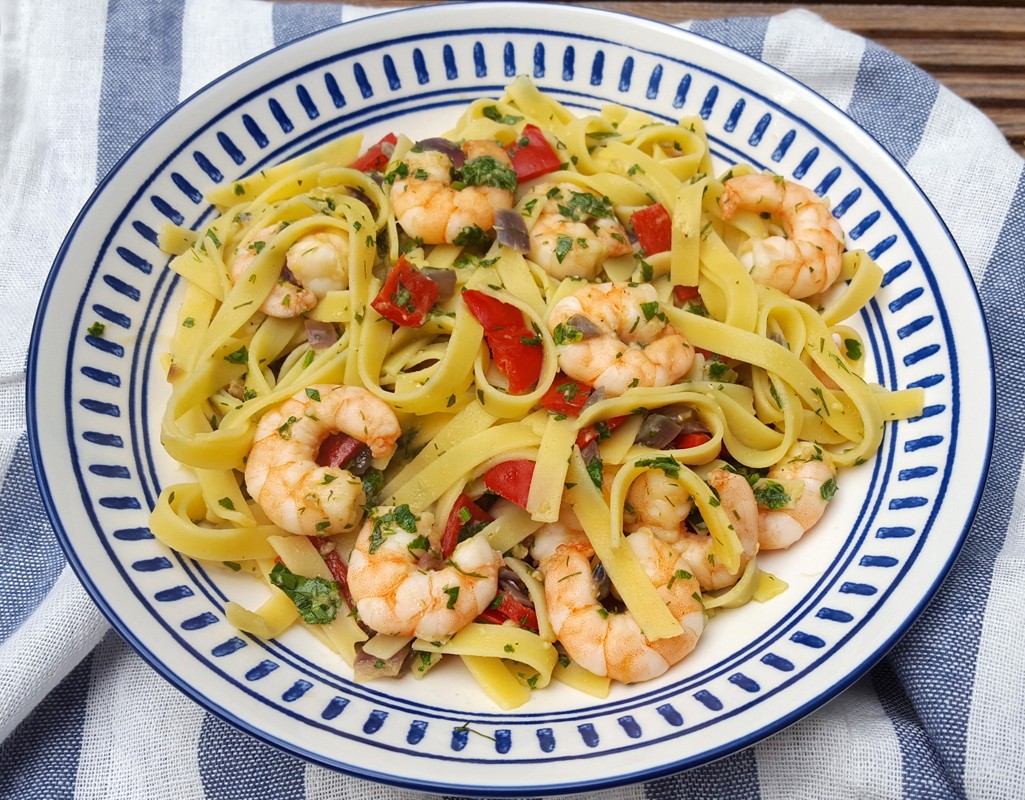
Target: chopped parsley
{"x":771,"y":494}
{"x":96,"y":329}
{"x":828,"y":490}
{"x":669,"y":465}
{"x":240,"y":356}
{"x":565,"y":333}
{"x":317,"y":599}
{"x":492,"y":113}
{"x":400,"y":516}
{"x":488,"y":171}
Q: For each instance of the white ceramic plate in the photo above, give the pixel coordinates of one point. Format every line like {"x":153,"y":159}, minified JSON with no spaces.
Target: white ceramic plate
{"x":855,"y":585}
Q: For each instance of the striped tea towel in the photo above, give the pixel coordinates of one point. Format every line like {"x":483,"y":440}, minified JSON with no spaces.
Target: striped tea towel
{"x":82,"y":716}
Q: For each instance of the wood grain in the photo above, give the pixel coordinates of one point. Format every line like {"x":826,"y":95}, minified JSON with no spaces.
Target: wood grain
{"x":977,"y":51}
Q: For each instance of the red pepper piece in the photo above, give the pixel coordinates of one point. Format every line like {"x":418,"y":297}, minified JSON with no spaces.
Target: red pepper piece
{"x":692,"y":439}
{"x":338,"y":449}
{"x":654,"y":229}
{"x":511,"y":480}
{"x":515,"y":348}
{"x":377,"y":156}
{"x":407,"y":295}
{"x":457,"y":520}
{"x":531,"y":155}
{"x":566,"y":396}
{"x":684,"y":294}
{"x":599,"y":430}
{"x":339,"y":571}
{"x":508,"y":608}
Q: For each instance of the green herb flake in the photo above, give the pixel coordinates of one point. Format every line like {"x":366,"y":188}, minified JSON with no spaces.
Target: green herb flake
{"x":317,"y":599}
{"x":225,"y":502}
{"x":492,"y":113}
{"x":828,"y":489}
{"x":453,"y":596}
{"x":96,"y":329}
{"x":240,"y":356}
{"x":669,"y":465}
{"x":771,"y":495}
{"x":313,"y":394}
{"x":852,"y":347}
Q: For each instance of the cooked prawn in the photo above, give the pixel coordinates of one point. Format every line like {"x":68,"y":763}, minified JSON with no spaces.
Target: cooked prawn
{"x":806,"y":477}
{"x":738,"y":501}
{"x":575,"y":232}
{"x":615,"y":336}
{"x":807,"y":260}
{"x":395,"y":595}
{"x":606,"y":642}
{"x":282,"y":474}
{"x":430,"y":208}
{"x":661,"y":504}
{"x":315,"y":264}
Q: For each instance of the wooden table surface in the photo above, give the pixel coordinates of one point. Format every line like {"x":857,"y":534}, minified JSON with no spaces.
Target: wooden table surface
{"x":977,"y":51}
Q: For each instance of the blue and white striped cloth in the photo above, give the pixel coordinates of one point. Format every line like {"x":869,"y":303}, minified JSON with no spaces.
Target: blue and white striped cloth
{"x":82,"y":716}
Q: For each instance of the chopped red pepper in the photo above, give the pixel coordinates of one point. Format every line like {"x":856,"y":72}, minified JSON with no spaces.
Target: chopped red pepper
{"x":684,"y":294}
{"x":692,"y":439}
{"x":566,"y":396}
{"x":511,"y":480}
{"x":599,"y":430}
{"x":464,"y":511}
{"x":339,"y":571}
{"x":377,"y":156}
{"x":338,"y":449}
{"x":531,"y":154}
{"x":407,"y":295}
{"x":654,"y":229}
{"x":504,"y":607}
{"x":515,"y":348}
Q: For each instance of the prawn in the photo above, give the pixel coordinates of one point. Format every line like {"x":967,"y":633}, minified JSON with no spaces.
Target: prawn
{"x":315,"y":264}
{"x":615,"y":336}
{"x":575,"y":231}
{"x":610,"y":643}
{"x":395,"y":595}
{"x":430,"y":208}
{"x":738,"y":501}
{"x":796,"y":491}
{"x":282,"y":473}
{"x":808,"y":259}
{"x":661,"y":504}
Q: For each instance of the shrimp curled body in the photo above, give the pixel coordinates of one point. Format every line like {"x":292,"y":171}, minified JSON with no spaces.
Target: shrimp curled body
{"x":575,"y":232}
{"x":614,"y":336}
{"x":808,"y":259}
{"x":315,"y":264}
{"x":282,"y":474}
{"x":430,"y":208}
{"x":394,"y":595}
{"x":611,"y":643}
{"x":662,"y":505}
{"x":808,"y":473}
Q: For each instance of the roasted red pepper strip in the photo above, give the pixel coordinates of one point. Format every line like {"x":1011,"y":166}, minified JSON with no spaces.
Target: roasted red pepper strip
{"x":599,"y":430}
{"x":511,"y":480}
{"x":654,"y":229}
{"x":407,"y":295}
{"x":684,"y":293}
{"x":377,"y":156}
{"x":339,"y":571}
{"x":508,"y":608}
{"x":531,"y":154}
{"x":338,"y":449}
{"x":692,"y":439}
{"x":457,"y":520}
{"x":566,"y":396}
{"x":515,"y":348}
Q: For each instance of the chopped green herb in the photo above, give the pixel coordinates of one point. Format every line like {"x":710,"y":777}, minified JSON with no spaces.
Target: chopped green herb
{"x":771,"y":494}
{"x":96,"y":329}
{"x":225,"y":502}
{"x":240,"y":356}
{"x":313,"y":394}
{"x":317,"y":599}
{"x":828,"y":489}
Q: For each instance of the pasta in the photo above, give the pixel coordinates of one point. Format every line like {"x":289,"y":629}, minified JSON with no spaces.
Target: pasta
{"x":531,"y":395}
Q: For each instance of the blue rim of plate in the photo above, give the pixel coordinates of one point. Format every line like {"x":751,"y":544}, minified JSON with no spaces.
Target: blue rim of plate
{"x":633,"y":728}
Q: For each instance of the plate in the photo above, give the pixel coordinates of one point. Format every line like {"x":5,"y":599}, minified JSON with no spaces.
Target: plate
{"x":94,"y":405}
